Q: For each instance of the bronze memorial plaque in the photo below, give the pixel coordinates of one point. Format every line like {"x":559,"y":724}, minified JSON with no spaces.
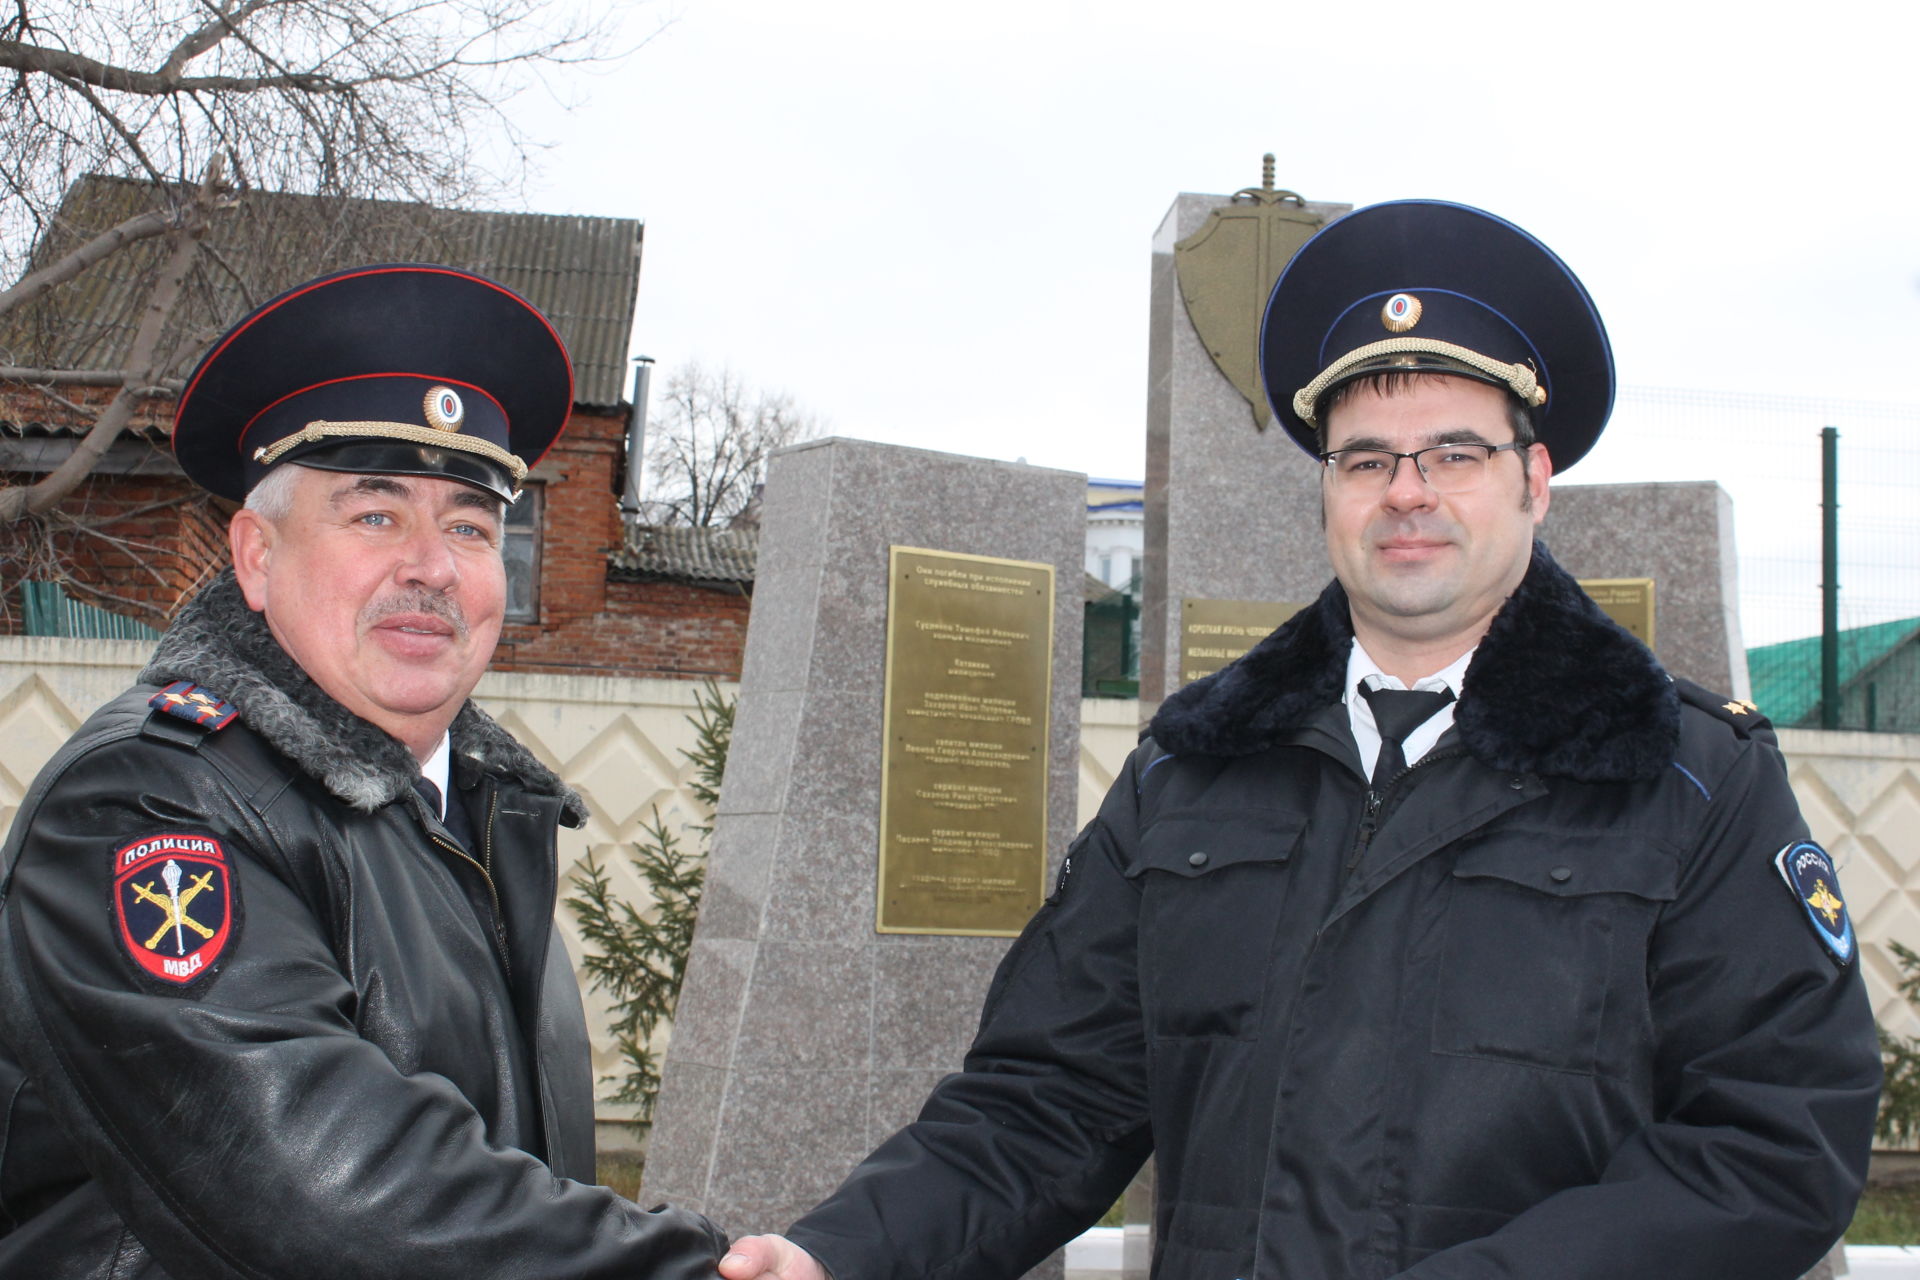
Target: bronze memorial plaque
{"x":1215,"y":632}
{"x":1628,"y":601}
{"x":963,"y":782}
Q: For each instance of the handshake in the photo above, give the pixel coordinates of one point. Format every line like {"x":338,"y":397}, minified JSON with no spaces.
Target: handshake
{"x":769,"y":1258}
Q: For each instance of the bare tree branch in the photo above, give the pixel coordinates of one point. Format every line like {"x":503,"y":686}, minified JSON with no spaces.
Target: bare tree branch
{"x":46,"y":392}
{"x":210,"y":34}
{"x":113,"y":121}
{"x":80,"y":69}
{"x":41,"y":378}
{"x":141,"y":226}
{"x":708,"y":447}
{"x":34,"y":499}
{"x":339,"y":102}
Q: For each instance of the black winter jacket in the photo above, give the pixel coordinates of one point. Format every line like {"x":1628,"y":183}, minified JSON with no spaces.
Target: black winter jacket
{"x":1550,"y":1012}
{"x":381,"y":1070}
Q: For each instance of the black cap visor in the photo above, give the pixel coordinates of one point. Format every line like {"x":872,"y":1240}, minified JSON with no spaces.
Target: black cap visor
{"x":395,"y":458}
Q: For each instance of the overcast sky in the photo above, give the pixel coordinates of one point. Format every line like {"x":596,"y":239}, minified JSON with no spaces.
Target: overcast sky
{"x":932,"y":224}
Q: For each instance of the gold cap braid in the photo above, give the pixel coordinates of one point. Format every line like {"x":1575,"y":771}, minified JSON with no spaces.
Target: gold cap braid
{"x":406,"y":431}
{"x":1524,"y":382}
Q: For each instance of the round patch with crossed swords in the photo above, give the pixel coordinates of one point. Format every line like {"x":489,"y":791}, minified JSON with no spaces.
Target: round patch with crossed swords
{"x":173,"y":905}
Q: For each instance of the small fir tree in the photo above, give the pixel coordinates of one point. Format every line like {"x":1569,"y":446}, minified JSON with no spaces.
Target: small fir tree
{"x":639,"y":957}
{"x":1899,"y":1119}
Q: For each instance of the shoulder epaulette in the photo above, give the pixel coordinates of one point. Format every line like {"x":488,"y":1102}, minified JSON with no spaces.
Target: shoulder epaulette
{"x":187,"y":701}
{"x":1743,"y":716}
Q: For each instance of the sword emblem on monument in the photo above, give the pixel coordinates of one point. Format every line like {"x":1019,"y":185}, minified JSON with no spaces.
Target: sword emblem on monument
{"x":1227,"y":268}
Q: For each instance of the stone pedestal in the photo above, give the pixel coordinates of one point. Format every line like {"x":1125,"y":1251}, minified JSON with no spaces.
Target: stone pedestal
{"x":1223,"y":500}
{"x":1681,"y":536}
{"x":803,"y":1037}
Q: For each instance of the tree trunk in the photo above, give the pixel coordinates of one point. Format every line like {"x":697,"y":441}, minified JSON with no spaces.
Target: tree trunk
{"x":140,"y":371}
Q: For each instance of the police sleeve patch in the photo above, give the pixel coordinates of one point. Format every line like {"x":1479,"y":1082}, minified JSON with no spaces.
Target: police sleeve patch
{"x":1815,"y":884}
{"x":175,"y":909}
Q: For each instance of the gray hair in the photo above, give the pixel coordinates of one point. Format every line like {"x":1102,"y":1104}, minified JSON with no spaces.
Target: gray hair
{"x":272,"y":498}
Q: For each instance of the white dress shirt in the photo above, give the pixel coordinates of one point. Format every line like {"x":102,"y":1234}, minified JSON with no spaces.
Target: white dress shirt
{"x":1361,"y":668}
{"x":440,"y":763}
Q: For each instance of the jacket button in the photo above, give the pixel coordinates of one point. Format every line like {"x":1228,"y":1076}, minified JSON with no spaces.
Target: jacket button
{"x":1561,"y":875}
{"x":1196,"y":859}
{"x":1517,"y":783}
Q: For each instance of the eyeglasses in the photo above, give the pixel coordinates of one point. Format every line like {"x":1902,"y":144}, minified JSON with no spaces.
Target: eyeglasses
{"x":1449,"y":468}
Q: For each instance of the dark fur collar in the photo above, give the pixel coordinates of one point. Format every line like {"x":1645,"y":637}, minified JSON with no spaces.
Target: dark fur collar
{"x":221,"y":644}
{"x":1555,"y":688}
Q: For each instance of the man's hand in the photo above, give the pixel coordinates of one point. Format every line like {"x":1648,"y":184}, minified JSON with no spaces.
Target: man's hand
{"x":770,"y":1258}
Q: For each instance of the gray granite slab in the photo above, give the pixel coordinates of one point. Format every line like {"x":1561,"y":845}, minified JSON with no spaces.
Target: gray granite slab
{"x":690,"y":1095}
{"x":760,"y":756}
{"x":803,"y":1036}
{"x":809,"y":1006}
{"x":739,"y":876}
{"x":787,"y":1138}
{"x":712,"y":999}
{"x":927,"y":995}
{"x":825,"y":887}
{"x":1681,"y":536}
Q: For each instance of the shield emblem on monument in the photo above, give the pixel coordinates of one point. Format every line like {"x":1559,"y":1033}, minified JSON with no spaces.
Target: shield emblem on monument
{"x":1226,"y":270}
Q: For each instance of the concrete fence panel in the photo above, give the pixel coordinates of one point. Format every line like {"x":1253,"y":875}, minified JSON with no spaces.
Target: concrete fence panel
{"x":619,"y":742}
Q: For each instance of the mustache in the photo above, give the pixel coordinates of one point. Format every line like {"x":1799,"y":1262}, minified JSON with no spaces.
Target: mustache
{"x":431,"y":603}
{"x":1415,"y":526}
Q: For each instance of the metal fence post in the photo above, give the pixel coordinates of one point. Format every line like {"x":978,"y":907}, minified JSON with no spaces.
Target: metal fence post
{"x":1829,"y":578}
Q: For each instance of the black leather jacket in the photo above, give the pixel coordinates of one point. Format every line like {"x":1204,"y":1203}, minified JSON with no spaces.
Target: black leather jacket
{"x":1550,"y":1011}
{"x":381,"y":1069}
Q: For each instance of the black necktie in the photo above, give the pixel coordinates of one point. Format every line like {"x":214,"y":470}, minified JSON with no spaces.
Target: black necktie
{"x":1397,"y":713}
{"x":455,"y":816}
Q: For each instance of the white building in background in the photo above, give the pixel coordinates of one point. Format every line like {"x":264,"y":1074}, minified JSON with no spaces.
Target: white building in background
{"x":1116,"y":530}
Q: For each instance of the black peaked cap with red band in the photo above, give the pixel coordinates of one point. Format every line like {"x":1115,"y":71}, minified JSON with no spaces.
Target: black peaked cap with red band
{"x":1426,"y":285}
{"x":397,"y":369}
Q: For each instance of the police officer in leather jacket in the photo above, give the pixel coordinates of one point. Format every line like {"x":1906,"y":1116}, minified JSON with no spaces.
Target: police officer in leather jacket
{"x":280,"y":991}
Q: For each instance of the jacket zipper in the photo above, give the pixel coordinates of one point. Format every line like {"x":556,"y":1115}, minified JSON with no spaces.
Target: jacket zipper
{"x":486,"y":855}
{"x":486,"y":874}
{"x":1376,"y":801}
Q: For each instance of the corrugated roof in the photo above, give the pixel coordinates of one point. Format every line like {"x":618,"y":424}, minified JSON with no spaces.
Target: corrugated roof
{"x":1786,"y":676}
{"x":687,"y":554}
{"x":582,"y":272}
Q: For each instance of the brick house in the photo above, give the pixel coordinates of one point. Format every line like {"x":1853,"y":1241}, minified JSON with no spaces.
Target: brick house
{"x":587,"y":595}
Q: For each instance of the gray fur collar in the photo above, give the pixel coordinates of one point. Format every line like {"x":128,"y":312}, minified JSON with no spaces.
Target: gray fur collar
{"x":222,"y":645}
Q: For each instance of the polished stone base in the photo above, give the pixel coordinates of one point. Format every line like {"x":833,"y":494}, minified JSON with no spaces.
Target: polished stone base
{"x":804,"y":1037}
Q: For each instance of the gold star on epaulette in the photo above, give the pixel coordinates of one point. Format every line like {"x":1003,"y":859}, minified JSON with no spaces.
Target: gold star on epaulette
{"x":1740,"y":707}
{"x":174,"y":699}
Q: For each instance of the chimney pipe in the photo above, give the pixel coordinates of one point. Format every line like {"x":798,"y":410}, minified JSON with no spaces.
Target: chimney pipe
{"x":636,"y":440}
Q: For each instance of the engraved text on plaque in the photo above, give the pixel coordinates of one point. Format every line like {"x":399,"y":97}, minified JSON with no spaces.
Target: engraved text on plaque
{"x":1215,"y":632}
{"x":963,"y":788}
